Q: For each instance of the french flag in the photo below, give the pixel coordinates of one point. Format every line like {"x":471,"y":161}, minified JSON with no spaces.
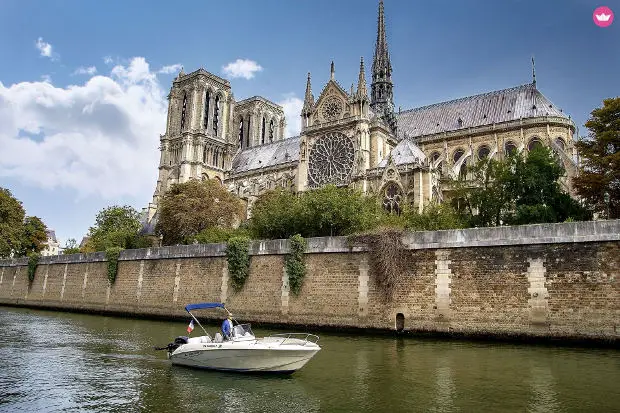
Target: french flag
{"x":190,"y":327}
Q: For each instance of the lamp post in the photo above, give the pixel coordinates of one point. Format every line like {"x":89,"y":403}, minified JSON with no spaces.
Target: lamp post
{"x":606,"y":198}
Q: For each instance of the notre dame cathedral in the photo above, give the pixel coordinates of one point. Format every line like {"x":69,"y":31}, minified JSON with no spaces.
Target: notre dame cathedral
{"x":350,"y":138}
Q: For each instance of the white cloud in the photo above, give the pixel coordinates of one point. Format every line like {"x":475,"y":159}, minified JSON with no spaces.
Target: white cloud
{"x":44,"y":48}
{"x":170,"y":69}
{"x":46,"y":78}
{"x":91,"y":70}
{"x":242,"y":68}
{"x":99,"y":138}
{"x":108,"y":60}
{"x":292,"y":106}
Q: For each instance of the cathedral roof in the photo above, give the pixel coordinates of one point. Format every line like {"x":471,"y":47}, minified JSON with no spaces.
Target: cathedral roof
{"x":266,"y":156}
{"x":406,"y":152}
{"x":499,"y":106}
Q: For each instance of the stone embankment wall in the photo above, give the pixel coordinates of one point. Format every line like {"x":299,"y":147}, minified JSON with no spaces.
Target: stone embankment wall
{"x":551,"y":280}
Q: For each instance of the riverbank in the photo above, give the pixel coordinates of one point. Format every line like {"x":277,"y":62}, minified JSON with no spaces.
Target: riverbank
{"x":544,"y":283}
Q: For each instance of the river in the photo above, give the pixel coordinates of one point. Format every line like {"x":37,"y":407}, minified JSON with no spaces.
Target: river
{"x":64,"y":362}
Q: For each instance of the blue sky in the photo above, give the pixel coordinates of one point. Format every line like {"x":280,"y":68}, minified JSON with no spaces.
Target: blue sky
{"x":83,"y":84}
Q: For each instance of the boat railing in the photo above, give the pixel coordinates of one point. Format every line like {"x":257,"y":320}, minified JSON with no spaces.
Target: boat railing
{"x":294,"y":338}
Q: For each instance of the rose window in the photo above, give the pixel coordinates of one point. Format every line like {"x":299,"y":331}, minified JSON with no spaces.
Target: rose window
{"x":331,"y":161}
{"x":392,"y":198}
{"x":332,"y":108}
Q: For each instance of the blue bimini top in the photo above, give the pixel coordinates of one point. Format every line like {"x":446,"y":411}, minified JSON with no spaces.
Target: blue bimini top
{"x":201,"y":306}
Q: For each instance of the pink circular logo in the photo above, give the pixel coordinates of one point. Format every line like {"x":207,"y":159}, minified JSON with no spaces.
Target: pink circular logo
{"x":603,"y":16}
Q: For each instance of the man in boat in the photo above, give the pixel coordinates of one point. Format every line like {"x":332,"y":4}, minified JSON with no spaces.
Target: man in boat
{"x":227,"y":328}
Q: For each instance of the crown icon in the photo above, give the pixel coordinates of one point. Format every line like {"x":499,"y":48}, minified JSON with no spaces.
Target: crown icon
{"x":603,"y":17}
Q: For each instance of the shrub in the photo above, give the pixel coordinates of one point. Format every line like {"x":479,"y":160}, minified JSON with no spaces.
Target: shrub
{"x":111,"y":255}
{"x":33,"y":261}
{"x":295,"y":264}
{"x":238,"y":258}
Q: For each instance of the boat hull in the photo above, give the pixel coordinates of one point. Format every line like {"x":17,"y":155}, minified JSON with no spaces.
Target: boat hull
{"x":246,"y":358}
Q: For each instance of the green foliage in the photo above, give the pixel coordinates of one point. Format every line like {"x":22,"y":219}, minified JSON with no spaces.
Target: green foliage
{"x":12,"y":216}
{"x":33,"y":262}
{"x":115,"y":226}
{"x":238,"y":258}
{"x":295,"y":263}
{"x":215,"y":235}
{"x":189,"y":208}
{"x":71,"y":247}
{"x":521,"y":189}
{"x":111,"y":255}
{"x":599,"y":179}
{"x":435,"y":217}
{"x":327,"y":211}
{"x":33,"y":237}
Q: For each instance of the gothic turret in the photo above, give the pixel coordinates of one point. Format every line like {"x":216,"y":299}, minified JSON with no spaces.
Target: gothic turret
{"x":382,"y":98}
{"x":309,"y":98}
{"x":362,"y":91}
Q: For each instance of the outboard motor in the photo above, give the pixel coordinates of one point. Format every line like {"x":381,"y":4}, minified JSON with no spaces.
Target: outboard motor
{"x":178,"y":342}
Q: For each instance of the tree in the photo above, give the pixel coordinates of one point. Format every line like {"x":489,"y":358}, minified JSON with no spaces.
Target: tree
{"x":71,"y":247}
{"x":521,"y":189}
{"x":33,"y":236}
{"x":599,"y":179}
{"x":189,"y":208}
{"x":327,"y":211}
{"x":115,"y":226}
{"x":12,"y":216}
{"x":435,"y":217}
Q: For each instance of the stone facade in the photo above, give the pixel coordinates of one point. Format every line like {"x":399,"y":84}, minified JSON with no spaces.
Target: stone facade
{"x":350,"y":138}
{"x":551,"y":280}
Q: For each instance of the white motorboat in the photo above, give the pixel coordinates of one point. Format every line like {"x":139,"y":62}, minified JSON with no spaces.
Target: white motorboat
{"x":239,"y":350}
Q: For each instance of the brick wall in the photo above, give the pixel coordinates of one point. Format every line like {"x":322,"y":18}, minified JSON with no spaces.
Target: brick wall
{"x":559,"y":280}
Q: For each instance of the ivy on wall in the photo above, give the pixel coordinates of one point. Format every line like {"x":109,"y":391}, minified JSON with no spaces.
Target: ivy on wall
{"x":111,"y":255}
{"x":238,"y":258}
{"x":295,"y":263}
{"x":33,"y":261}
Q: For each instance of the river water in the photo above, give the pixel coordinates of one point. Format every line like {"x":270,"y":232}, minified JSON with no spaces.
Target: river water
{"x":52,"y":362}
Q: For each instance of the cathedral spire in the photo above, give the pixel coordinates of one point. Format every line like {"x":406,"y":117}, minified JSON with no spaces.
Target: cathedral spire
{"x":361,"y":82}
{"x":382,"y":99}
{"x":533,"y":72}
{"x":309,"y":99}
{"x":333,"y":71}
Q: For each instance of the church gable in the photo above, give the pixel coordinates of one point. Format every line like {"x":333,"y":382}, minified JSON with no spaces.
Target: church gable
{"x":332,"y":105}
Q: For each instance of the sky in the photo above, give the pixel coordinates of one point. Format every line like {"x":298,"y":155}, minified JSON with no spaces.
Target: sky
{"x":83,"y":84}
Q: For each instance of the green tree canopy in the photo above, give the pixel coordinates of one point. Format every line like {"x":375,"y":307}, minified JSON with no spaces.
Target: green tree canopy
{"x":12,"y":216}
{"x":33,"y":237}
{"x":71,"y":247}
{"x":521,"y":189}
{"x":116,"y":226}
{"x":189,"y":208}
{"x":599,"y":179}
{"x":320,"y":212}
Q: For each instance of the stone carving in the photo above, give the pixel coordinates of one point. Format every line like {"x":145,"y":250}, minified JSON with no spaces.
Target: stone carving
{"x":332,"y":108}
{"x":392,"y":198}
{"x":331,"y":160}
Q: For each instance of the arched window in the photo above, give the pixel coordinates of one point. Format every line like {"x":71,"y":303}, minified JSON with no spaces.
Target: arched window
{"x":241,"y":133}
{"x":510,"y":148}
{"x":183,"y":110}
{"x":204,"y":154}
{"x":262,"y":132}
{"x":247,"y":138}
{"x":560,"y":143}
{"x":534,"y":143}
{"x":215,"y":158}
{"x":392,"y":198}
{"x":457,"y":155}
{"x":483,"y":152}
{"x":216,"y":114}
{"x":206,"y":115}
{"x":271,"y":130}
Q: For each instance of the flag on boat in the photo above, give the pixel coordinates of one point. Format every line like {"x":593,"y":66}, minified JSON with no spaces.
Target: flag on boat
{"x":190,"y":327}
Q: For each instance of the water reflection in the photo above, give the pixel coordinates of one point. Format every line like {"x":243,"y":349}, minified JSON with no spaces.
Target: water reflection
{"x":70,"y":362}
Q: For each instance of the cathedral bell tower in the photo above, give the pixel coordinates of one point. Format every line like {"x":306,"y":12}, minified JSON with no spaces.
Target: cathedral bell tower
{"x":382,"y":94}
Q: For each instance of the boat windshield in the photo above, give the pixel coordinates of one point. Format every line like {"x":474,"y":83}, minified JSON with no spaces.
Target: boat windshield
{"x":243,"y":330}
